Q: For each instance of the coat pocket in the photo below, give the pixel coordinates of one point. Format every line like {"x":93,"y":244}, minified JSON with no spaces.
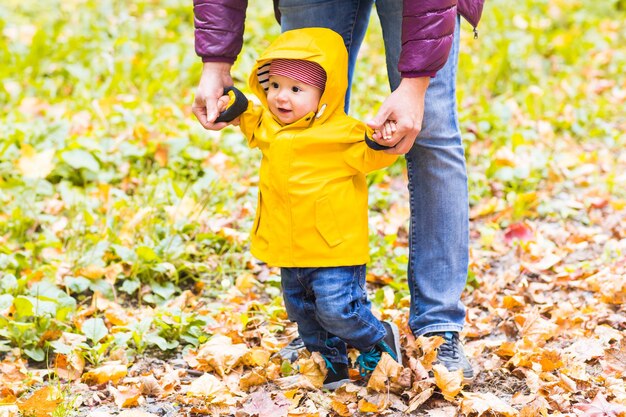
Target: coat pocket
{"x":326,"y":222}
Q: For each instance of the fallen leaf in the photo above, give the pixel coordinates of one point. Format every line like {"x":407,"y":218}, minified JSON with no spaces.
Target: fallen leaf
{"x":206,"y":386}
{"x":125,"y":396}
{"x":450,"y":383}
{"x":480,"y":403}
{"x":220,"y":355}
{"x":106,"y":373}
{"x":70,"y":366}
{"x":263,"y":403}
{"x":518,"y":231}
{"x":386,"y":370}
{"x":600,"y":407}
{"x":41,"y":403}
{"x":251,"y":379}
{"x":313,"y":369}
{"x":419,"y":399}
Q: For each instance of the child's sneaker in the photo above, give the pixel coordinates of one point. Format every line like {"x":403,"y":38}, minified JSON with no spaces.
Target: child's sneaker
{"x":390,"y":344}
{"x":336,"y":376}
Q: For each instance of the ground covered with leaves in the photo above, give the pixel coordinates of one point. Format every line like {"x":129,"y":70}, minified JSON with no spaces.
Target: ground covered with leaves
{"x":126,"y":287}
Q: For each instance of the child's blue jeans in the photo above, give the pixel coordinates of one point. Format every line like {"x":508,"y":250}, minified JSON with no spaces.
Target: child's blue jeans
{"x":331,"y":308}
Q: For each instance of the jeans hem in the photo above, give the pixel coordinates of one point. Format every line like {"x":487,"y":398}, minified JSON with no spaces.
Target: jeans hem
{"x":447,"y":327}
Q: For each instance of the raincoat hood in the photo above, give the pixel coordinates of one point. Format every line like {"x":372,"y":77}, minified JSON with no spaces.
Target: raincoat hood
{"x":320,"y":45}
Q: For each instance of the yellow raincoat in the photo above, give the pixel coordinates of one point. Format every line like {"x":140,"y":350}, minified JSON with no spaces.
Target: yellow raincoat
{"x":312,"y":203}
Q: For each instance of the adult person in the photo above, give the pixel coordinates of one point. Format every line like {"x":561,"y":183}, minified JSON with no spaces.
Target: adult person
{"x":421,"y":46}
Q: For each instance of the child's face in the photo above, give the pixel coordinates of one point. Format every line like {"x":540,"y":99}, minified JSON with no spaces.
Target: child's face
{"x":290,"y":99}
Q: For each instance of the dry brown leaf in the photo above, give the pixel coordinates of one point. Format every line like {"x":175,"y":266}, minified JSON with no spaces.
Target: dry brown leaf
{"x":550,"y":360}
{"x":246,"y":282}
{"x":368,"y":407}
{"x":126,"y":396}
{"x":256,"y":357}
{"x":314,"y":369}
{"x":220,"y":355}
{"x":450,"y":383}
{"x":600,"y":407}
{"x":105,"y":373}
{"x":70,"y":366}
{"x":418,"y":369}
{"x":386,"y":371}
{"x":419,"y":399}
{"x":585,"y":349}
{"x":429,"y":347}
{"x":479,"y":403}
{"x":506,"y":350}
{"x":342,"y":409}
{"x":210,"y":388}
{"x":148,"y":385}
{"x":41,"y":403}
{"x":614,"y":361}
{"x":251,"y":379}
{"x":264,"y":403}
{"x":295,"y":382}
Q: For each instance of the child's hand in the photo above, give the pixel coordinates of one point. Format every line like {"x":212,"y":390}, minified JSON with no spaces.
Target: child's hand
{"x":222,"y":105}
{"x":387,"y":130}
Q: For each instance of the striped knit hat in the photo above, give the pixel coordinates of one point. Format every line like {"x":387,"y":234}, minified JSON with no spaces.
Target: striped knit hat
{"x":307,"y":72}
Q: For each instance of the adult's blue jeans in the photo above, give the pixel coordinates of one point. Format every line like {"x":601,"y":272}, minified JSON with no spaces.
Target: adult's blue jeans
{"x":331,"y":308}
{"x":439,"y":224}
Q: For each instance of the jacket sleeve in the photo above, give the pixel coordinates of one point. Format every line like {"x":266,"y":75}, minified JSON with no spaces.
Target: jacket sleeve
{"x":427,"y":34}
{"x":361,"y":157}
{"x":249,"y":122}
{"x":219,"y":28}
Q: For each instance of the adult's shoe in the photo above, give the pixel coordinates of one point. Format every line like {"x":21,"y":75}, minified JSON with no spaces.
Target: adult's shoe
{"x":451,"y":355}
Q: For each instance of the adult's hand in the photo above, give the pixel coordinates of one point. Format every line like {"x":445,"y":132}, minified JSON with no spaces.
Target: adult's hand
{"x":215,"y":77}
{"x":405,"y":107}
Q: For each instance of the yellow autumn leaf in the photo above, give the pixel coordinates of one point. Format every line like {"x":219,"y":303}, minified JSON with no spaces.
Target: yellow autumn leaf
{"x":485,"y":403}
{"x":220,"y":355}
{"x":69,"y":366}
{"x":35,"y":165}
{"x":126,"y":396}
{"x":550,"y":360}
{"x":386,"y":371}
{"x":256,"y":357}
{"x":419,"y":399}
{"x":341,"y":409}
{"x":246,"y":282}
{"x":251,"y":379}
{"x":41,"y":403}
{"x":313,"y":369}
{"x":207,"y":386}
{"x":429,"y":347}
{"x":106,"y":373}
{"x":449,"y":382}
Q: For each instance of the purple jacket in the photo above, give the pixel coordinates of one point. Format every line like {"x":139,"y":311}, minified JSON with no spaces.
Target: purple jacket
{"x":427,"y":31}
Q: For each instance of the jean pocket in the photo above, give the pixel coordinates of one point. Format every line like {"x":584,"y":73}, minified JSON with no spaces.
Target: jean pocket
{"x":326,"y":222}
{"x":286,"y":4}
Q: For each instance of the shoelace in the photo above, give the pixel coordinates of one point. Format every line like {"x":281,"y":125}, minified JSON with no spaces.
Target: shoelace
{"x":449,"y":347}
{"x":367,"y":361}
{"x":329,"y":365}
